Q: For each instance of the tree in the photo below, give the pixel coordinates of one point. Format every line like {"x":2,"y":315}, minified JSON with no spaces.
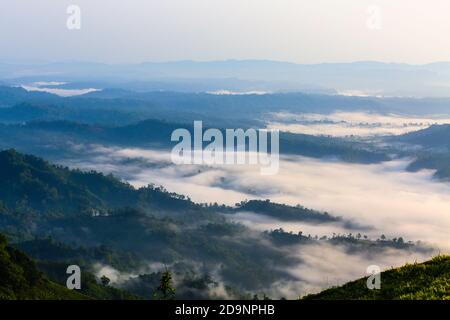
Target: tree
{"x":165,"y":291}
{"x":105,"y":280}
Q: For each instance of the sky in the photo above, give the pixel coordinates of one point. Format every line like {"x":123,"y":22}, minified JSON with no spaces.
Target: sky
{"x":133,"y":31}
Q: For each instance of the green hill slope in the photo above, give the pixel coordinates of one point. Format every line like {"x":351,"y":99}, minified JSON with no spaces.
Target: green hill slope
{"x":20,"y":279}
{"x":34,"y":182}
{"x":422,"y":281}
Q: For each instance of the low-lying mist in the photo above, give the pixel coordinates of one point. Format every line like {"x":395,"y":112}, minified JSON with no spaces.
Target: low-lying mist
{"x":341,"y":124}
{"x":384,"y":196}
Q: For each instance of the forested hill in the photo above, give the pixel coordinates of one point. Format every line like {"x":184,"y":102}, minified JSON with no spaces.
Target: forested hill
{"x":32,"y":182}
{"x":434,"y":151}
{"x":285,"y":212}
{"x":436,"y":136}
{"x":38,"y":137}
{"x":423,"y":281}
{"x":20,"y":279}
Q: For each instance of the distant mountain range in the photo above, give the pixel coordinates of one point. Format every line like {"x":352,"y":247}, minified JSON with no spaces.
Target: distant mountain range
{"x":54,"y":216}
{"x":45,"y":137}
{"x":120,"y":106}
{"x":358,"y":78}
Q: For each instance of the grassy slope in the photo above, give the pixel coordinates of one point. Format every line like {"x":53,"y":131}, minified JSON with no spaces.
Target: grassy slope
{"x":428,"y":280}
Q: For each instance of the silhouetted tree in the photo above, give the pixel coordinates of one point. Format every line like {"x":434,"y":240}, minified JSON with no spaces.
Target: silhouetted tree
{"x":165,"y":291}
{"x":105,"y":280}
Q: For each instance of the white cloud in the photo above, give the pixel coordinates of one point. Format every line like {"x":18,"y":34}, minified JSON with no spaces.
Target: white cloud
{"x":323,"y":266}
{"x":262,"y":223}
{"x":58,"y":91}
{"x":115,"y":276}
{"x":394,"y":202}
{"x":385,"y":196}
{"x":341,"y":124}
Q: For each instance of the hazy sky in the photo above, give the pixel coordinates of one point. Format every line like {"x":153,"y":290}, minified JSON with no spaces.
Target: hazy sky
{"x":117,"y":31}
